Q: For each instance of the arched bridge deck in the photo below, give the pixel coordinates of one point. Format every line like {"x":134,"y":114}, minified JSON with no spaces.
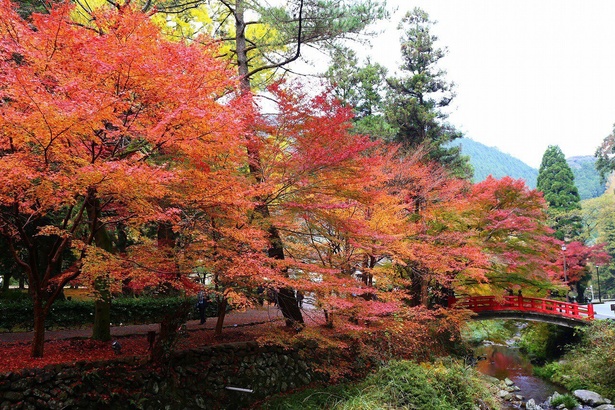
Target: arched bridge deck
{"x":524,"y":308}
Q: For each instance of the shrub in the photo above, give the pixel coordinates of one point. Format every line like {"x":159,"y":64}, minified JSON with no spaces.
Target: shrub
{"x":591,"y":363}
{"x":542,"y":341}
{"x":498,"y":331}
{"x":566,"y":399}
{"x":18,"y":314}
{"x":442,"y":385}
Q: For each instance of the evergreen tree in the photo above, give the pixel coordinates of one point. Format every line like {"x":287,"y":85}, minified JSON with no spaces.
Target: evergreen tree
{"x":361,"y":86}
{"x":607,"y":273}
{"x":556,"y":181}
{"x":416,"y":100}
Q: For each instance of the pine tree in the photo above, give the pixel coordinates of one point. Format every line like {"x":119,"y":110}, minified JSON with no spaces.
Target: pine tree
{"x":416,"y":99}
{"x":556,"y":181}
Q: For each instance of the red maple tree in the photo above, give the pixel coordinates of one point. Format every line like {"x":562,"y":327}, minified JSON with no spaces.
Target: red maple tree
{"x":107,"y":128}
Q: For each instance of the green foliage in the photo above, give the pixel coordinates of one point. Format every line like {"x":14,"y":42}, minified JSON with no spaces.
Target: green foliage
{"x":543,"y":341}
{"x":363,"y":88}
{"x":590,"y":364}
{"x":556,"y":181}
{"x":586,"y":177}
{"x":13,"y":295}
{"x":491,"y":161}
{"x":498,"y":331}
{"x":566,"y":399}
{"x":549,"y":371}
{"x":416,"y":98}
{"x":443,"y":385}
{"x":605,"y":163}
{"x":16,"y":314}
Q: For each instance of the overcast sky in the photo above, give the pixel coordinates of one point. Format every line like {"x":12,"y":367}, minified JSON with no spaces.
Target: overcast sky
{"x":529,"y":73}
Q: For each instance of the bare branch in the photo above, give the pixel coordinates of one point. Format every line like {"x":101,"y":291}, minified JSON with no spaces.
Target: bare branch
{"x":291,"y":59}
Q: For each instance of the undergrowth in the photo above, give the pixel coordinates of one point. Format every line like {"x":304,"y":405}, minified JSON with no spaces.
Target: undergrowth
{"x":497,"y":331}
{"x":441,"y":385}
{"x":589,"y":364}
{"x":566,"y":399}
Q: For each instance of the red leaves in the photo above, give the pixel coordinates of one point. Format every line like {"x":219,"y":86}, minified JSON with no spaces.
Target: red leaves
{"x":510,"y":220}
{"x":16,"y":356}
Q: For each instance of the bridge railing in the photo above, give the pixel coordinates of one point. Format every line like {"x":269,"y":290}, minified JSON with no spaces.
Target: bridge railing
{"x":524,"y":304}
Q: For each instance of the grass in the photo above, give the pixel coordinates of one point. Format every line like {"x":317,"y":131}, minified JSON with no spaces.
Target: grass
{"x":566,"y":399}
{"x":442,"y":385}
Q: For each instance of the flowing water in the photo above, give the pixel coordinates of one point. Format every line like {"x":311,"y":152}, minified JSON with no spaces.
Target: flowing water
{"x":503,"y":361}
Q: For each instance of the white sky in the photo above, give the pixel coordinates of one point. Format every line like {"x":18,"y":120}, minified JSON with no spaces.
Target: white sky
{"x":528,"y":73}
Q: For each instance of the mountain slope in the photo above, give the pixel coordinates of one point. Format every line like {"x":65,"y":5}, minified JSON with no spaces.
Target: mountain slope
{"x":491,"y":161}
{"x":586,"y":178}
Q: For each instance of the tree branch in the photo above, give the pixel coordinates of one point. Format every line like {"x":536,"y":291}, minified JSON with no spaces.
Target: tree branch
{"x":291,"y":59}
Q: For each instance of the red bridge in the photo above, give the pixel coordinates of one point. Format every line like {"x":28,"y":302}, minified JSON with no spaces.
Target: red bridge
{"x":524,"y":308}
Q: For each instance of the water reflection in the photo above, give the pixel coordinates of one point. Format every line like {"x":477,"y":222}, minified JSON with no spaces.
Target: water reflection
{"x":504,"y":361}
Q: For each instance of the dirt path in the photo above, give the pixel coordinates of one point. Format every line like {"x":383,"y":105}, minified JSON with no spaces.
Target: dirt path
{"x":233,"y":319}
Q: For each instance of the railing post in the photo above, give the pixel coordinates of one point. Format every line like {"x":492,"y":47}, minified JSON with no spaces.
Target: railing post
{"x":520,"y":302}
{"x":590,"y":311}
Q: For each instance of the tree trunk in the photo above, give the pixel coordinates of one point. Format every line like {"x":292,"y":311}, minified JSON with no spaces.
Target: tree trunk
{"x":38,"y":340}
{"x":102,"y":320}
{"x":222,"y":304}
{"x":169,"y":333}
{"x":102,"y":305}
{"x":425,"y":290}
{"x":6,"y":281}
{"x":288,"y":303}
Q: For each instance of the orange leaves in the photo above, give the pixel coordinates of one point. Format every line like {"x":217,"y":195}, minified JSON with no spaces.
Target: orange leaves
{"x":106,"y":131}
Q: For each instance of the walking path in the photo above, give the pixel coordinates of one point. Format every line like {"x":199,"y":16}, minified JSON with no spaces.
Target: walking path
{"x":603,"y":310}
{"x":232,"y":319}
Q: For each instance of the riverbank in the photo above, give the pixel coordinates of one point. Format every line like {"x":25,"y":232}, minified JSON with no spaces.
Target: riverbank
{"x":588,"y":365}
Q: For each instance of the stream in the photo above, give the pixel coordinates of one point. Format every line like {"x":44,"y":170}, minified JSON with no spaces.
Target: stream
{"x":504,"y":361}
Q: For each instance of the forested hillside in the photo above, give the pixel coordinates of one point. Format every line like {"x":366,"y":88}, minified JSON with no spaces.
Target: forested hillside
{"x":491,"y":161}
{"x":586,"y":178}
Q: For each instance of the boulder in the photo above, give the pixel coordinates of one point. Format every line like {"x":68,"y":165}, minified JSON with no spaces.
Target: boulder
{"x":605,"y":407}
{"x":590,"y":397}
{"x":509,"y":382}
{"x":531,"y":405}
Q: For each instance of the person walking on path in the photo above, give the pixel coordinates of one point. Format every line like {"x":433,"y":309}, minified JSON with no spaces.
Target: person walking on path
{"x":300,"y":298}
{"x":201,"y":305}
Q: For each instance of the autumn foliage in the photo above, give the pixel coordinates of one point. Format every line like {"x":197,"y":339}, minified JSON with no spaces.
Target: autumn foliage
{"x":109,"y":129}
{"x":129,"y":158}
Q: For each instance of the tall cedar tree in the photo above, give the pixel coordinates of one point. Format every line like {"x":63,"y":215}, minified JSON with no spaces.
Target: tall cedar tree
{"x":556,"y":181}
{"x":417,"y":99}
{"x":362,"y":87}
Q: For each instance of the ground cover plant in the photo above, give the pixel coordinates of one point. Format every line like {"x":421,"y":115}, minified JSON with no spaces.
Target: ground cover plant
{"x":441,"y":385}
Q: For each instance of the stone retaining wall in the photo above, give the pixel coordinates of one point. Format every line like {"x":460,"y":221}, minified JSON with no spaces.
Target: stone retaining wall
{"x":192,"y":379}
